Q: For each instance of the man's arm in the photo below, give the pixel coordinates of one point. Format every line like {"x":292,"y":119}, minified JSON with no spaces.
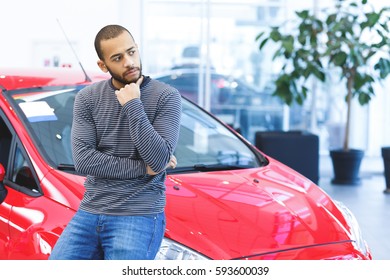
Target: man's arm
{"x":171,"y":164}
{"x":155,"y":142}
{"x":87,"y":159}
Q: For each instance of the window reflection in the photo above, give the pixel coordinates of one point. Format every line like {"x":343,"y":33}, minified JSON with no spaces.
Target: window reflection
{"x":209,"y":54}
{"x":217,"y":37}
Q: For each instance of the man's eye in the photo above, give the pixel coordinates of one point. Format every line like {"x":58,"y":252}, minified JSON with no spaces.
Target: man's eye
{"x":116,"y":59}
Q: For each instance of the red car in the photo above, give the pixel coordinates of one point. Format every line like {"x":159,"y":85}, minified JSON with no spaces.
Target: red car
{"x":225,"y":199}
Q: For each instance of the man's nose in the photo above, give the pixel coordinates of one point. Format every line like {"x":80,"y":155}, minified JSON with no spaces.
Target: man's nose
{"x":129,"y":61}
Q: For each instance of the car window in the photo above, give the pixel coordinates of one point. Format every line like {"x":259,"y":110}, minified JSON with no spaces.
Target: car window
{"x":239,"y":104}
{"x":206,"y":142}
{"x":22,"y":172}
{"x":203,"y":140}
{"x":5,"y":142}
{"x":48,"y":116}
{"x":186,"y":84}
{"x":19,"y":172}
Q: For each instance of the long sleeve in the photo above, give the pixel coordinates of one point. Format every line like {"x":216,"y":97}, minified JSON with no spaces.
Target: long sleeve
{"x":114,"y":144}
{"x":155,"y":141}
{"x":88,"y":159}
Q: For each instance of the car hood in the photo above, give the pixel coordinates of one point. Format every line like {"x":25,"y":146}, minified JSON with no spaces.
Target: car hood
{"x":252,"y":212}
{"x":64,"y":188}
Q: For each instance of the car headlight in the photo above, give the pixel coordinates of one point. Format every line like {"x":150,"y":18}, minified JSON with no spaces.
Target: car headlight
{"x":356,"y":234}
{"x":171,"y":250}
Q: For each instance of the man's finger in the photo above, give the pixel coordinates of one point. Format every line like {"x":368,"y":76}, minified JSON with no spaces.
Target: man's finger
{"x":173,"y":159}
{"x":173,"y":162}
{"x":139,"y":81}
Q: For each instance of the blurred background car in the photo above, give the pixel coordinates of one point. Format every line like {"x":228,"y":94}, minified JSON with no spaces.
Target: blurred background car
{"x":239,"y":104}
{"x":225,"y":198}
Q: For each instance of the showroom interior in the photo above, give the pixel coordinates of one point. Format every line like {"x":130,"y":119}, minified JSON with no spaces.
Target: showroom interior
{"x":219,"y":36}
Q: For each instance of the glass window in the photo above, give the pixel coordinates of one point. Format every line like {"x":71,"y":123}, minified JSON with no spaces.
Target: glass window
{"x":48,"y":116}
{"x":206,"y":144}
{"x":5,"y":142}
{"x":217,"y":37}
{"x":22,"y":173}
{"x":207,"y":50}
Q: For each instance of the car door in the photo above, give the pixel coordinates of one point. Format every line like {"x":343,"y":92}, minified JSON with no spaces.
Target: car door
{"x":5,"y":208}
{"x":34,"y":220}
{"x":21,"y":186}
{"x":30,"y":223}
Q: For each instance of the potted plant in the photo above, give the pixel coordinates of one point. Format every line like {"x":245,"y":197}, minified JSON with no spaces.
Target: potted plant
{"x":351,"y":41}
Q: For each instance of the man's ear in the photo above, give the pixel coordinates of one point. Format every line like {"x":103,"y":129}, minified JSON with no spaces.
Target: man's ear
{"x":102,"y":66}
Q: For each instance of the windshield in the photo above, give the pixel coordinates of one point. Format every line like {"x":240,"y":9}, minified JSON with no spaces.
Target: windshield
{"x":204,"y":144}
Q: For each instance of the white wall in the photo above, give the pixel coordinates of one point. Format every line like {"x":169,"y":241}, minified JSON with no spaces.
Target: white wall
{"x":30,"y":33}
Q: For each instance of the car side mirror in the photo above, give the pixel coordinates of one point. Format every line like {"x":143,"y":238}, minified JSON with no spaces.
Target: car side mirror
{"x":2,"y":173}
{"x":3,"y":190}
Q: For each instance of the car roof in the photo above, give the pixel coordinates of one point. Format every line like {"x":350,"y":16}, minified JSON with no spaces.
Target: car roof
{"x":19,"y":78}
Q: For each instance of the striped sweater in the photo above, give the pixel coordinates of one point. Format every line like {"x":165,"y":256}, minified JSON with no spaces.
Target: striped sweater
{"x":112,"y":145}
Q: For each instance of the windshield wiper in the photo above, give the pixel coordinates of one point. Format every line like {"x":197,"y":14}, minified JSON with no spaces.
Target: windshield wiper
{"x":207,"y":168}
{"x":66,"y":167}
{"x":220,"y":166}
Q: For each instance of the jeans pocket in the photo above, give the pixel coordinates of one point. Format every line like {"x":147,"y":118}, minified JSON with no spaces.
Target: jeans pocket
{"x":158,"y":234}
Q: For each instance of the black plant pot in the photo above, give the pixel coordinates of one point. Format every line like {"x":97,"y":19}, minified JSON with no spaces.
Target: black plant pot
{"x":386,"y":164}
{"x":297,"y":149}
{"x":346,"y":166}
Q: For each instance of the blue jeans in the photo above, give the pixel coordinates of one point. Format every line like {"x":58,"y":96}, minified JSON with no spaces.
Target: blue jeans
{"x":97,"y":237}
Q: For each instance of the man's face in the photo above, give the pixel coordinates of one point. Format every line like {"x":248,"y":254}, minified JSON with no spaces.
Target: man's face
{"x":121,"y":60}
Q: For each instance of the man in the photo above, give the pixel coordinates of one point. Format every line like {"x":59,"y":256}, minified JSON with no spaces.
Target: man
{"x":124,"y":133}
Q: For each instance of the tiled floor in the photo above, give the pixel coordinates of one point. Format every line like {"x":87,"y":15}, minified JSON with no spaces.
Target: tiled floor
{"x":367,"y":201}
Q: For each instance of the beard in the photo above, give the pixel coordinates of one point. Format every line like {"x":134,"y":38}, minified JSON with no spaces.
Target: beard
{"x":119,"y":78}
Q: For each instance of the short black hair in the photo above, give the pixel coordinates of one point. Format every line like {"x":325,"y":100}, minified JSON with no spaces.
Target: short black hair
{"x":108,"y":32}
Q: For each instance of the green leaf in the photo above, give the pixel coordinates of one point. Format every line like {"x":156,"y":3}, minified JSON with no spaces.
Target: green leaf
{"x":283,"y":89}
{"x":318,"y":26}
{"x":277,"y":53}
{"x":319,"y":74}
{"x":261,"y":34}
{"x":372,"y":19}
{"x":339,"y":58}
{"x":288,"y":44}
{"x":330,"y":19}
{"x":275,"y":35}
{"x":302,"y":38}
{"x":364,"y":98}
{"x":359,"y":81}
{"x":383,"y":66}
{"x":304,"y":91}
{"x":262,"y":44}
{"x":303,"y":14}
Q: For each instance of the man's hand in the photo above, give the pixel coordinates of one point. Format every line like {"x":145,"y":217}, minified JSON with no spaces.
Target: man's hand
{"x":129,"y":92}
{"x":171,"y":164}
